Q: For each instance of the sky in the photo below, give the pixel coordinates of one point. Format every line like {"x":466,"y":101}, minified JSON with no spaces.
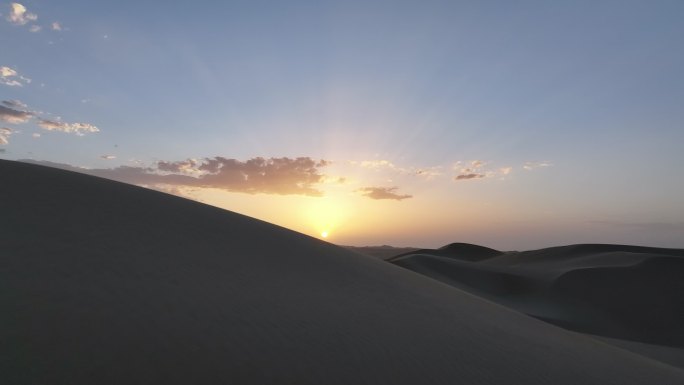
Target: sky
{"x":514,"y":125}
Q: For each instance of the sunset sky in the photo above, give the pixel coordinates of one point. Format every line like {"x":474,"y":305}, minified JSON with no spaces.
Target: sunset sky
{"x":511,"y":124}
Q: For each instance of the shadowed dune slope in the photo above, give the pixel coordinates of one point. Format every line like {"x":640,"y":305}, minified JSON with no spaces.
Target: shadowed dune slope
{"x":107,"y":283}
{"x":627,"y":292}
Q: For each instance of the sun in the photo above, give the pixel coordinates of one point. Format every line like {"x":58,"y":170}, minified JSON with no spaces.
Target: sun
{"x":324,"y":233}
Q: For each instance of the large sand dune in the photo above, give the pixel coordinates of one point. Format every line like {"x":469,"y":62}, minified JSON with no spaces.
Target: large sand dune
{"x":107,"y":283}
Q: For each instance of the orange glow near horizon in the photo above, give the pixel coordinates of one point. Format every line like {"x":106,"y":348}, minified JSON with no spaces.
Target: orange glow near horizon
{"x":348,"y":218}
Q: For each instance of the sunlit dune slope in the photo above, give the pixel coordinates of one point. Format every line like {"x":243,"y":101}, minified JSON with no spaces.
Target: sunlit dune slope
{"x":107,"y":283}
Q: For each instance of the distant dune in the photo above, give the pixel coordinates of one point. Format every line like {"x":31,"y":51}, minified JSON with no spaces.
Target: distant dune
{"x":107,"y":283}
{"x":382,"y":252}
{"x":620,"y":292}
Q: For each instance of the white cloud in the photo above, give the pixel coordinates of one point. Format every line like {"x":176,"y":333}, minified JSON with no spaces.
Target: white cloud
{"x":35,"y":135}
{"x":386,"y":165}
{"x":376,"y":164}
{"x":11,"y":77}
{"x":108,"y":157}
{"x":35,"y":28}
{"x":532,"y":165}
{"x":79,"y":129}
{"x":19,"y":15}
{"x":4,"y":135}
{"x":56,"y":26}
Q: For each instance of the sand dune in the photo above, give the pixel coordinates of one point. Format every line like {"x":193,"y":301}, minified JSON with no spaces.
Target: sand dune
{"x":107,"y":283}
{"x":624,"y":292}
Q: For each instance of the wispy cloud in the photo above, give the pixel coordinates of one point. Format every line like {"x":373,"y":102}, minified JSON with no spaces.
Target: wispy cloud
{"x":468,"y":170}
{"x":10,"y":77}
{"x":56,"y":26}
{"x":382,"y":193}
{"x":13,"y":116}
{"x":479,"y":169}
{"x":108,"y":157}
{"x":4,"y":135}
{"x":35,"y":28}
{"x":533,"y":165}
{"x":379,"y":165}
{"x":79,"y":129}
{"x":16,"y":112}
{"x":469,"y":176}
{"x":19,"y":15}
{"x":15,"y":104}
{"x":281,"y":176}
{"x":505,"y":170}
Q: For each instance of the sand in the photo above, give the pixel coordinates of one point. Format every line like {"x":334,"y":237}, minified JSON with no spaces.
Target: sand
{"x":107,"y":283}
{"x":629,"y":296}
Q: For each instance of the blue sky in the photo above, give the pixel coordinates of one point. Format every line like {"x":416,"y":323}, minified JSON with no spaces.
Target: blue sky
{"x":567,"y":115}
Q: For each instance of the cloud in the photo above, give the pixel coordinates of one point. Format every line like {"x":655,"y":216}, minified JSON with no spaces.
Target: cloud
{"x":280,"y":176}
{"x":429,"y":172}
{"x":469,"y":176}
{"x":11,"y":77}
{"x":375,"y":164}
{"x":505,"y":170}
{"x":19,"y":15}
{"x":108,"y":157}
{"x":79,"y":129}
{"x":13,"y":116}
{"x":35,"y":135}
{"x":533,"y":165}
{"x":386,"y":165}
{"x":4,"y":135}
{"x":35,"y":28}
{"x":382,"y":193}
{"x":56,"y":26}
{"x":14,"y":104}
{"x":10,"y":111}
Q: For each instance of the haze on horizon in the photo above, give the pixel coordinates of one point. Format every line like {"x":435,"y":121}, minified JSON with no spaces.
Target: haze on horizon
{"x":408,"y":123}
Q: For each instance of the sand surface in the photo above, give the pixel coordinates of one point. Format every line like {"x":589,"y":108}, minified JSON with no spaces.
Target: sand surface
{"x":107,"y":283}
{"x":630,"y":296}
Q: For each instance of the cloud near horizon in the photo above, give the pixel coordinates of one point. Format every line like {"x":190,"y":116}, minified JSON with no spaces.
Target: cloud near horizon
{"x":533,"y":165}
{"x":386,"y":165}
{"x":469,"y":176}
{"x":382,"y":193}
{"x":13,"y":116}
{"x":279,"y":176}
{"x":478,"y":169}
{"x":4,"y":135}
